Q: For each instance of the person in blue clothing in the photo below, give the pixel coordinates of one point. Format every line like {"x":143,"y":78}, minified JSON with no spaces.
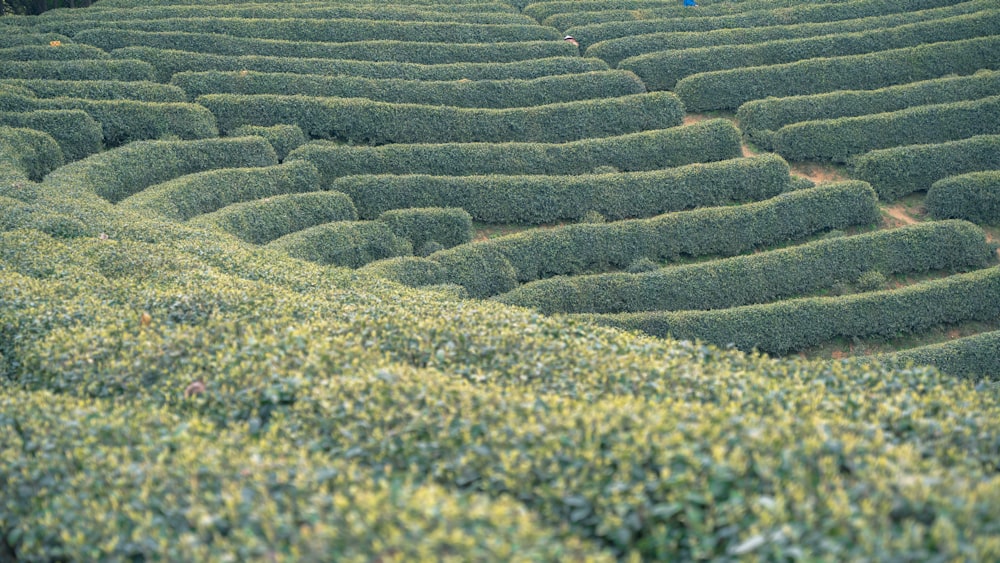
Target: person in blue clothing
{"x":690,"y":3}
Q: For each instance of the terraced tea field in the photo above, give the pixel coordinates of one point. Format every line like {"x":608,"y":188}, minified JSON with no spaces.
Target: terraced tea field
{"x":422,"y":279}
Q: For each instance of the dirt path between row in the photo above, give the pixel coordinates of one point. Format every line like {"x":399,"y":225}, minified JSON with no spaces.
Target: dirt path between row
{"x":898,"y":213}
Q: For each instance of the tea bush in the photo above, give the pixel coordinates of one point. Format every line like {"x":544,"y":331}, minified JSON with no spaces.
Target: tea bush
{"x":899,"y":171}
{"x":365,"y":121}
{"x":122,"y":69}
{"x":762,"y":277}
{"x":204,"y":192}
{"x":497,"y":94}
{"x":27,"y":154}
{"x":975,"y":357}
{"x":759,"y":119}
{"x":264,"y":220}
{"x":446,"y":226}
{"x":974,"y":196}
{"x":705,"y":141}
{"x":76,"y":132}
{"x":344,"y":243}
{"x":841,"y":138}
{"x":14,"y":36}
{"x":548,"y":199}
{"x":728,"y":89}
{"x":67,"y":52}
{"x":284,"y":138}
{"x":142,"y":91}
{"x":662,"y":70}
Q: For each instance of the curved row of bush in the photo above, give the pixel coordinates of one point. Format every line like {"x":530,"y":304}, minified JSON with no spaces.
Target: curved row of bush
{"x":169,"y":62}
{"x":495,"y":94}
{"x":430,"y":228}
{"x":620,"y":48}
{"x":124,"y":121}
{"x":56,"y":52}
{"x":759,"y":119}
{"x":548,"y":199}
{"x":564,"y":13}
{"x":728,"y":89}
{"x":27,"y":154}
{"x":142,"y":91}
{"x":845,"y":137}
{"x":14,"y":36}
{"x":792,"y":325}
{"x":365,"y":121}
{"x":350,"y":244}
{"x":974,"y":196}
{"x":899,"y":171}
{"x":726,"y":231}
{"x":185,"y":197}
{"x":974,"y":357}
{"x":123,"y":69}
{"x":661,"y":70}
{"x":705,"y":141}
{"x":76,"y":132}
{"x":284,"y":138}
{"x":343,"y":30}
{"x":369,"y":50}
{"x":435,"y":5}
{"x":123,"y":171}
{"x":590,"y":33}
{"x":763,"y":277}
{"x":263,"y":220}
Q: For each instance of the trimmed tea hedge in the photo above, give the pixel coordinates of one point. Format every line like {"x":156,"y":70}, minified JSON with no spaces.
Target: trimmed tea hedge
{"x":264,"y":220}
{"x":759,"y":119}
{"x":15,"y":36}
{"x":27,"y":154}
{"x":204,"y":192}
{"x":763,"y":277}
{"x":446,"y":226}
{"x":581,"y":248}
{"x":76,"y":132}
{"x":844,"y":137}
{"x":124,"y":121}
{"x":125,"y":70}
{"x":284,"y":138}
{"x":496,"y":94}
{"x":663,"y":69}
{"x":903,"y":170}
{"x":796,"y":324}
{"x":367,"y":50}
{"x":365,"y":121}
{"x":121,"y":172}
{"x":547,"y":199}
{"x":99,"y":89}
{"x":974,"y":357}
{"x":705,"y":141}
{"x":619,"y":48}
{"x":728,"y":89}
{"x":170,"y":62}
{"x":798,"y":13}
{"x":344,"y":243}
{"x":974,"y":196}
{"x":407,"y":270}
{"x":67,"y":52}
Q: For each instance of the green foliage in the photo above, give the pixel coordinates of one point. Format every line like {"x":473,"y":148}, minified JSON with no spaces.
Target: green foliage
{"x":121,"y":172}
{"x":76,"y":132}
{"x":845,"y":137}
{"x":974,"y":357}
{"x":496,"y":94}
{"x":898,"y":171}
{"x":27,"y":154}
{"x":365,"y":121}
{"x":413,"y":51}
{"x":185,"y":197}
{"x":662,"y":70}
{"x":124,"y":70}
{"x":408,"y":270}
{"x":547,"y":199}
{"x":872,"y":280}
{"x":344,"y":243}
{"x":974,"y":196}
{"x":264,"y":220}
{"x":759,"y":119}
{"x":284,"y":138}
{"x":67,"y":52}
{"x":763,"y":277}
{"x":795,"y":324}
{"x":14,"y":36}
{"x":728,"y":89}
{"x":593,"y":217}
{"x":580,"y":248}
{"x":705,"y":141}
{"x":482,"y":269}
{"x":142,"y":91}
{"x":639,"y":266}
{"x":124,"y":121}
{"x":446,"y":226}
{"x":169,"y":62}
{"x":616,"y":49}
